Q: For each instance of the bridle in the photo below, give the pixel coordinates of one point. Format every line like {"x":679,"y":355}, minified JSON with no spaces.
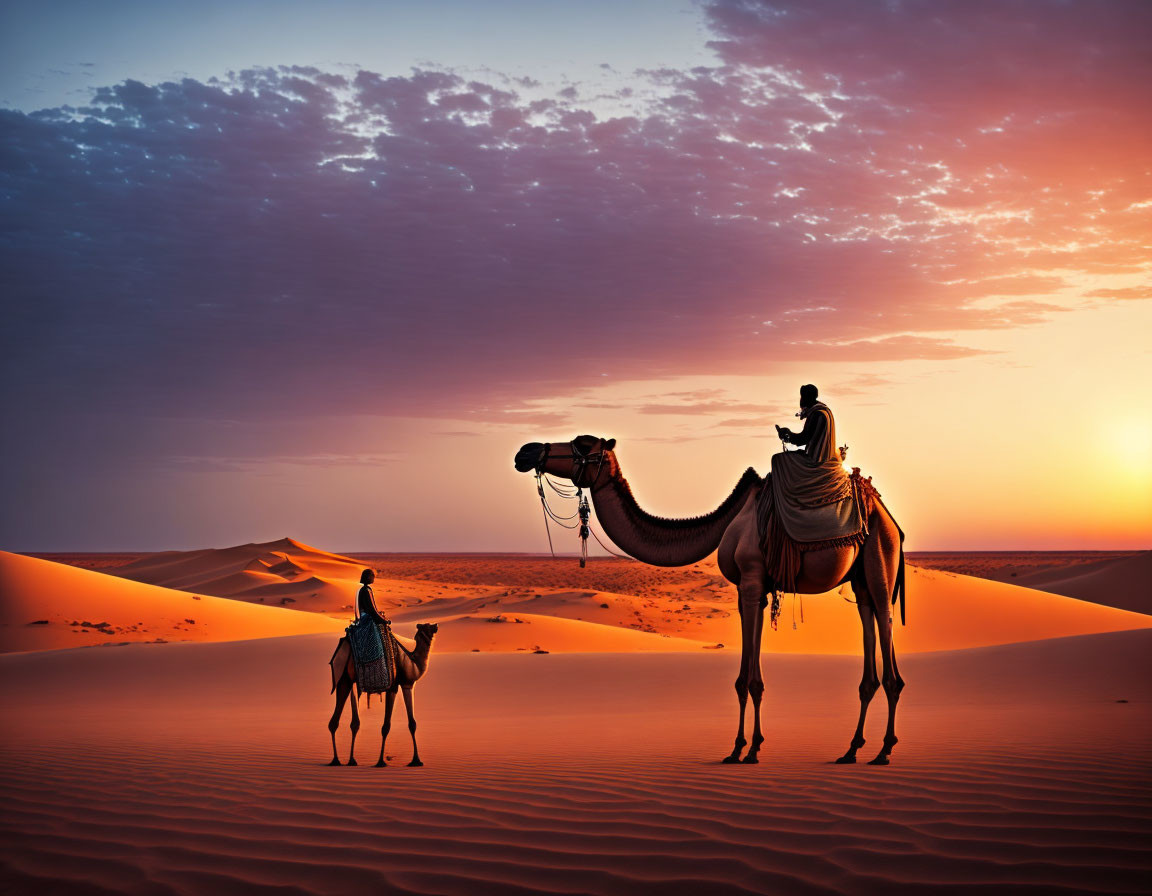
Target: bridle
{"x":580,"y":463}
{"x":580,"y":466}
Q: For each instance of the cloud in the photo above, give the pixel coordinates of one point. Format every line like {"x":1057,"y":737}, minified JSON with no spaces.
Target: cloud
{"x":700,"y":408}
{"x":1125,"y":293}
{"x":891,"y":348}
{"x":861,"y":384}
{"x":290,"y":240}
{"x":209,"y":463}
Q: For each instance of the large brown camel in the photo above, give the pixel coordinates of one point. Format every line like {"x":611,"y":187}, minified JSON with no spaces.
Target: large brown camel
{"x":874,"y":569}
{"x":410,"y":667}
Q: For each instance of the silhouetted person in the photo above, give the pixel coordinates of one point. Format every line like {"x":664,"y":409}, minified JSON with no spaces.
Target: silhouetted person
{"x":818,"y":438}
{"x":365,"y":604}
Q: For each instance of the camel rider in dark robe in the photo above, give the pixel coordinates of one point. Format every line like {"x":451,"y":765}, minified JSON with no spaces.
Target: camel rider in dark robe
{"x":818,"y":438}
{"x":365,"y":604}
{"x":812,"y":491}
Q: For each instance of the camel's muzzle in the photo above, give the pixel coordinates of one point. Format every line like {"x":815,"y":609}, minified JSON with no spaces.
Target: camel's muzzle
{"x":528,"y":456}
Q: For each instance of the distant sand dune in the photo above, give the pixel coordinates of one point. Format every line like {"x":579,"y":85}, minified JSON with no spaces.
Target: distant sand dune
{"x":689,"y":609}
{"x":1113,"y":578}
{"x":1125,"y":583}
{"x":258,"y":572}
{"x":45,"y":606}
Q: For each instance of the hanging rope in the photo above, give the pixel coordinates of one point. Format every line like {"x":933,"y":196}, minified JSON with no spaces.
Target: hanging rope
{"x":581,"y":518}
{"x":584,"y":510}
{"x":794,"y":595}
{"x":563,"y":493}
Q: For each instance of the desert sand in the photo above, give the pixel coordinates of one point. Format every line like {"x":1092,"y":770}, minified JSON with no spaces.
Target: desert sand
{"x":569,"y":746}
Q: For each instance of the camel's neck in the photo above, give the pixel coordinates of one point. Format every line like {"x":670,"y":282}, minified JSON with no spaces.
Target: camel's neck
{"x":420,"y":653}
{"x":659,"y":541}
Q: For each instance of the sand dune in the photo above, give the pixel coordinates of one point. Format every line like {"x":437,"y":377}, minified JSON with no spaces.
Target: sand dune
{"x":627,"y":606}
{"x":1113,"y":578}
{"x":1125,"y":583}
{"x":46,"y":605}
{"x":196,"y":767}
{"x":550,"y":634}
{"x":271,"y":572}
{"x":945,"y":612}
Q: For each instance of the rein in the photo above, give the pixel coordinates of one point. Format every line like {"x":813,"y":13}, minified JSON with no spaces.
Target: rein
{"x":581,"y":518}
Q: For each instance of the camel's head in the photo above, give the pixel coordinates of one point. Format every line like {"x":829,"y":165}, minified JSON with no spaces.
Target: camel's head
{"x":429,"y":629}
{"x":582,"y":460}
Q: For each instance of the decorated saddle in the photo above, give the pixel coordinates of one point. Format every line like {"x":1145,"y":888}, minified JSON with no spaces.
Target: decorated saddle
{"x":805,"y":507}
{"x":374,"y":654}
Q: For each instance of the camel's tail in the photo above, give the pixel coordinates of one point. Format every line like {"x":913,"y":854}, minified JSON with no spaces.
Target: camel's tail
{"x":901,"y":587}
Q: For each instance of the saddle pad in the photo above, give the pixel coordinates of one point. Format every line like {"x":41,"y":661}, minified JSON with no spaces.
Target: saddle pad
{"x":373,"y":677}
{"x":364,"y":637}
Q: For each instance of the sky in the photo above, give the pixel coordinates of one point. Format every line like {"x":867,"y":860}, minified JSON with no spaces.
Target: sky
{"x":319,"y":270}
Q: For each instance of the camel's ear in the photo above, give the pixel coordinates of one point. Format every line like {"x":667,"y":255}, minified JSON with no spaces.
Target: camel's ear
{"x":610,"y":444}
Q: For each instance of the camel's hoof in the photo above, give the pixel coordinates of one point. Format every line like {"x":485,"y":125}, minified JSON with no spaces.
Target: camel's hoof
{"x":415,"y":763}
{"x":334,"y":761}
{"x":750,"y":760}
{"x":880,"y":760}
{"x":351,"y":761}
{"x":381,"y":764}
{"x":846,"y":760}
{"x":731,"y":760}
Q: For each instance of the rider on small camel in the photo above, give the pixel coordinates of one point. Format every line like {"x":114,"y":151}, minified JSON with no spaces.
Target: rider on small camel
{"x":365,"y":604}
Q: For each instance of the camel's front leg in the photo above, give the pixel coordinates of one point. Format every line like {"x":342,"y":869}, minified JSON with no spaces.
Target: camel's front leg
{"x":389,"y":702}
{"x":741,"y":686}
{"x":752,"y":602}
{"x":890,"y":679}
{"x":412,"y":727}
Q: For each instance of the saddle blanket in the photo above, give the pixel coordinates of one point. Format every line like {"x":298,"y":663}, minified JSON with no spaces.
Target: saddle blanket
{"x":788,"y":528}
{"x":374,"y":653}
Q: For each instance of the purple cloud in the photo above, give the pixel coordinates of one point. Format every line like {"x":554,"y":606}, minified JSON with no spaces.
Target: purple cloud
{"x":292,"y":241}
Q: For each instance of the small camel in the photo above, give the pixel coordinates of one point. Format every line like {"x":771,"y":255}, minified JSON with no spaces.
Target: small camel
{"x":410,"y":668}
{"x":875,"y":569}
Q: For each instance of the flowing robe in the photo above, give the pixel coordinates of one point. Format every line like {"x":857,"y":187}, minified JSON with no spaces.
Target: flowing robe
{"x":812,"y":493}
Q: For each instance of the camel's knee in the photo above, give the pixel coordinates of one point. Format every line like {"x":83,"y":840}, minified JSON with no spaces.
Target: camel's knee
{"x":412,"y":725}
{"x":742,"y":688}
{"x":868,"y":688}
{"x":354,"y":724}
{"x":756,"y":689}
{"x":893,"y":685}
{"x":333,"y":724}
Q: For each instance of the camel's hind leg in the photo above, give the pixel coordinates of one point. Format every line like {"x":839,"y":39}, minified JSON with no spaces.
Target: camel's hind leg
{"x":892,"y":682}
{"x":343,"y":689}
{"x":868,"y":682}
{"x":880,"y":570}
{"x":389,"y":702}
